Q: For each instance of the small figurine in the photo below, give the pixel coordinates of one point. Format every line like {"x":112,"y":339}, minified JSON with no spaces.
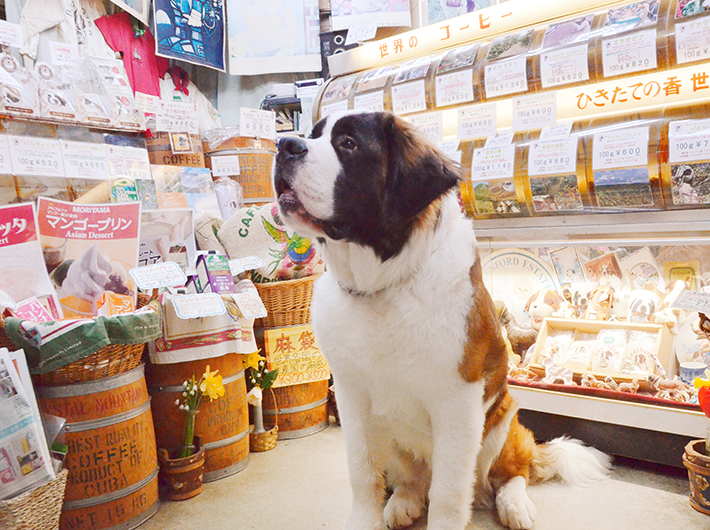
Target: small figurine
{"x":520,"y":337}
{"x":642,"y":304}
{"x":632,"y":387}
{"x":590,"y":381}
{"x":673,"y":318}
{"x":542,"y":304}
{"x":600,"y":303}
{"x":661,"y":383}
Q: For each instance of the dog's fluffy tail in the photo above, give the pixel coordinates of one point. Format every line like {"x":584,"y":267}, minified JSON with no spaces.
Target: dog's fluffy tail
{"x":570,"y":461}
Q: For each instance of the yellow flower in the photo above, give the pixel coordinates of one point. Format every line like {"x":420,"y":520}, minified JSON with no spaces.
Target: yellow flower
{"x":211,"y":384}
{"x":252,"y":360}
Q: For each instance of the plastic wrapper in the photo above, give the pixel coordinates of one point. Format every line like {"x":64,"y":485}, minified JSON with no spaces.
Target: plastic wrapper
{"x":579,"y":355}
{"x":57,"y":93}
{"x":640,"y":354}
{"x":555,"y":347}
{"x":229,"y":196}
{"x":216,"y":137}
{"x":555,"y":374}
{"x":610,"y":350}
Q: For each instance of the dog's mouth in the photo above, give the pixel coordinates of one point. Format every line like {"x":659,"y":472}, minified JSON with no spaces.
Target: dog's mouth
{"x":292,"y":207}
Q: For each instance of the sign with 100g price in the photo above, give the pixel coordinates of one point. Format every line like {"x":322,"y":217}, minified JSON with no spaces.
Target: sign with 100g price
{"x":257,"y":123}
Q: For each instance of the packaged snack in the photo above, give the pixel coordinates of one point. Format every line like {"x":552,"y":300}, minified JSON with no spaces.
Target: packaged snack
{"x":610,"y":350}
{"x":555,"y":347}
{"x":579,"y":355}
{"x":640,"y":354}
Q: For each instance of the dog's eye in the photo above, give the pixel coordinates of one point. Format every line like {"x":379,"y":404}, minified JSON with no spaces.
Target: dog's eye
{"x":347,"y":144}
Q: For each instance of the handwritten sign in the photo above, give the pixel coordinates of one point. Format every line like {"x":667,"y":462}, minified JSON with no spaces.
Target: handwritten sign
{"x":294,"y":352}
{"x":623,"y":148}
{"x":10,"y":34}
{"x":552,"y":157}
{"x":333,"y":108}
{"x":225,"y":165}
{"x":534,"y":112}
{"x":63,"y":54}
{"x":691,"y":40}
{"x":166,"y":274}
{"x":244,"y":264}
{"x":198,"y":305}
{"x":85,"y":160}
{"x":560,"y":67}
{"x":148,"y":104}
{"x":506,"y":77}
{"x":175,"y":116}
{"x":493,"y":163}
{"x":257,"y":123}
{"x":693,"y":301}
{"x":454,"y":88}
{"x":477,"y":121}
{"x":630,"y":53}
{"x":36,"y":156}
{"x":688,"y":140}
{"x":5,"y":158}
{"x":249,"y":304}
{"x":362,"y":31}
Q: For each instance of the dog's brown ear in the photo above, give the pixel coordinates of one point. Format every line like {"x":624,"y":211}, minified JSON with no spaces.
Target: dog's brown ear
{"x":418,"y":173}
{"x":530,"y":301}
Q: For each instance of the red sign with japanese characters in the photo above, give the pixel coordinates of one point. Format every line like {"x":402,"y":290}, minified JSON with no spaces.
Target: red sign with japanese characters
{"x":88,"y":221}
{"x":17,"y":224}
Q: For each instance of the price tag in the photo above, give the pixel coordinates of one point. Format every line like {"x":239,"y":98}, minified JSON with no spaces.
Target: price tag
{"x":198,"y":305}
{"x":62,"y":54}
{"x":561,"y":130}
{"x":36,"y":156}
{"x":250,"y":305}
{"x":506,"y":77}
{"x":430,"y":125}
{"x":257,"y":123}
{"x":132,"y":162}
{"x":148,"y":104}
{"x":225,"y":165}
{"x":630,"y":53}
{"x":502,"y":138}
{"x":6,"y":300}
{"x":451,"y":149}
{"x":454,"y":88}
{"x":375,"y":101}
{"x":534,"y":112}
{"x":174,"y":116}
{"x":165,"y":274}
{"x":691,"y":40}
{"x":493,"y":163}
{"x":553,"y":157}
{"x":362,"y":31}
{"x":477,"y":122}
{"x":409,"y":97}
{"x":688,"y":140}
{"x":240,"y":265}
{"x":10,"y":34}
{"x":624,"y":148}
{"x":568,"y":65}
{"x":5,"y":157}
{"x":327,"y":110}
{"x":692,"y":301}
{"x":85,"y":160}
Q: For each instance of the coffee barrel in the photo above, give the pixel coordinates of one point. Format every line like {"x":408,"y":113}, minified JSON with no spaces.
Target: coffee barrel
{"x":160,"y":151}
{"x":301,"y":409}
{"x":111,"y":458}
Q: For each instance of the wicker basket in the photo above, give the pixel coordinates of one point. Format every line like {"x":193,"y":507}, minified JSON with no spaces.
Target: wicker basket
{"x":287,"y":303}
{"x":38,"y":509}
{"x":263,"y":441}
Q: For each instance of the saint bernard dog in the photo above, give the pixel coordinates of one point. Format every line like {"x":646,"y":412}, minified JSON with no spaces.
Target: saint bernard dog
{"x":411,"y":334}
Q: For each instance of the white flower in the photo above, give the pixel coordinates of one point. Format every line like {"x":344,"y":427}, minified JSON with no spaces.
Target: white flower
{"x":194,"y":388}
{"x":184,"y":394}
{"x":254,"y":396}
{"x":192,"y":392}
{"x":185,"y":384}
{"x":177,"y":402}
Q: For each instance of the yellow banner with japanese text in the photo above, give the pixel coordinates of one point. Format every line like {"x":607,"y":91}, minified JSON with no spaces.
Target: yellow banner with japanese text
{"x":293,"y":350}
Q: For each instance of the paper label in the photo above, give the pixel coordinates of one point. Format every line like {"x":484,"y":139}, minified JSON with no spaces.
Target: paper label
{"x":10,"y":34}
{"x":148,"y":104}
{"x":198,"y":305}
{"x":250,"y":305}
{"x":561,"y":130}
{"x":62,"y":54}
{"x":688,"y":140}
{"x":257,"y":123}
{"x":165,"y":274}
{"x":362,"y":31}
{"x":327,"y":110}
{"x":5,"y":157}
{"x":451,"y":149}
{"x":249,"y":263}
{"x":225,"y":165}
{"x":502,"y":138}
{"x":36,"y":156}
{"x":430,"y":125}
{"x":692,"y":301}
{"x":507,"y":77}
{"x":174,"y":116}
{"x":129,"y":162}
{"x":624,"y":148}
{"x":373,"y":102}
{"x":560,"y":67}
{"x":6,"y":300}
{"x":630,"y":53}
{"x":454,"y":88}
{"x":493,"y":163}
{"x":691,"y":40}
{"x":552,"y":157}
{"x":477,"y":122}
{"x":85,"y":160}
{"x":409,"y":97}
{"x":534,"y":112}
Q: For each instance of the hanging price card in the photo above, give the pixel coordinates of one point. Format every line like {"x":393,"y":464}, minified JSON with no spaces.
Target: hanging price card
{"x":430,"y":125}
{"x":477,"y":121}
{"x":409,"y":97}
{"x":691,"y":40}
{"x":568,"y":65}
{"x":493,"y":163}
{"x":63,"y":54}
{"x":36,"y":156}
{"x":688,"y":141}
{"x":623,"y":148}
{"x":333,"y":108}
{"x":10,"y":34}
{"x":198,"y":305}
{"x":501,"y":138}
{"x":85,"y":160}
{"x":249,"y":304}
{"x":451,"y":149}
{"x":552,"y":157}
{"x":249,"y":263}
{"x":165,"y":274}
{"x":561,"y":130}
{"x":630,"y":53}
{"x":506,"y":77}
{"x":534,"y":112}
{"x":374,"y":101}
{"x":5,"y":158}
{"x":175,"y":116}
{"x":225,"y":165}
{"x":454,"y":88}
{"x":692,"y":301}
{"x":362,"y":31}
{"x":257,"y":123}
{"x":129,"y":162}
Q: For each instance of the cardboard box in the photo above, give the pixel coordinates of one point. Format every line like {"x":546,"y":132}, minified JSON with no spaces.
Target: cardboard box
{"x":214,"y":274}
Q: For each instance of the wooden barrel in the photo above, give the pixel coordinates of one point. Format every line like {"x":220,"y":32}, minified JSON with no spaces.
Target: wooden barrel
{"x":223,"y":424}
{"x":160,"y":152}
{"x":302,"y":409}
{"x":256,"y":162}
{"x":112,"y":458}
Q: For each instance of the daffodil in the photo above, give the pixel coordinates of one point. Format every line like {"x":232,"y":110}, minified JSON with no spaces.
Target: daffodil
{"x":703,"y":387}
{"x":252,"y":360}
{"x":211,"y":384}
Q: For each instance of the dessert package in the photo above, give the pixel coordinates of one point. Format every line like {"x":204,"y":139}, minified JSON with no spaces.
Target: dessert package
{"x":610,"y":350}
{"x":57,"y":94}
{"x":19,"y":88}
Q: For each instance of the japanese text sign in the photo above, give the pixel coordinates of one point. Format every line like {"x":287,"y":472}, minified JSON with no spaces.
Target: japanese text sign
{"x":166,"y":274}
{"x":294,"y":352}
{"x":17,"y":224}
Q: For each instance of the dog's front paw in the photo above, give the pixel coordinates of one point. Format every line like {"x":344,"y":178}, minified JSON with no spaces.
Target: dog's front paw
{"x":403,"y":508}
{"x":515,"y":509}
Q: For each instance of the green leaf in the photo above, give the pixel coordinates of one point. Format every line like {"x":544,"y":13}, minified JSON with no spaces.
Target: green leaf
{"x":268,"y":379}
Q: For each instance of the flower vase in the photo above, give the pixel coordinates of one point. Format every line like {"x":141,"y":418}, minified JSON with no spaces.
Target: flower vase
{"x":261,"y":440}
{"x":181,"y":477}
{"x":697,"y":461}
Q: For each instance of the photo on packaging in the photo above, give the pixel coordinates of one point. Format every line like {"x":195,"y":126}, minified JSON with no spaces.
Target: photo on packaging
{"x":496,"y":196}
{"x":510,"y":45}
{"x":633,"y":16}
{"x":556,"y":193}
{"x":623,"y":188}
{"x":690,"y":183}
{"x":567,"y":32}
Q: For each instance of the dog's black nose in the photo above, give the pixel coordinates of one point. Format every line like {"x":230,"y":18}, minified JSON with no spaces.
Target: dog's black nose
{"x":292,"y":146}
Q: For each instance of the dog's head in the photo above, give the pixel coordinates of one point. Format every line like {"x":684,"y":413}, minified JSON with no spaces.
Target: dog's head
{"x":362,"y":178}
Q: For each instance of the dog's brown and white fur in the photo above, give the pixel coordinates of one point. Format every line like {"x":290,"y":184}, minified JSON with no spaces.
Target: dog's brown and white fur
{"x":410,"y":332}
